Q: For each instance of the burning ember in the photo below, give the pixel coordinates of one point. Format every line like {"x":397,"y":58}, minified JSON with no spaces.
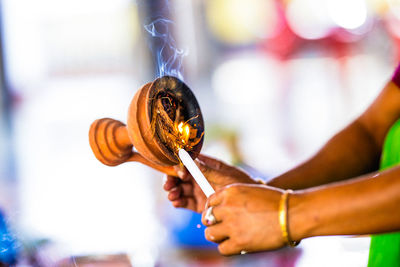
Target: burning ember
{"x":169,"y":122}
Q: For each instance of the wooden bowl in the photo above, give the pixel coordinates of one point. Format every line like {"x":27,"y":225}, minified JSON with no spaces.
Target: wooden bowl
{"x":156,"y":116}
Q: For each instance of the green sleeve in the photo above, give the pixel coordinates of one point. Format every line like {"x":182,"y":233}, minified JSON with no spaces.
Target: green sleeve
{"x":385,"y":248}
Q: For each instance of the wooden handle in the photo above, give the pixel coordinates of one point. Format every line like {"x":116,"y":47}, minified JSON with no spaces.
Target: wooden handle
{"x":109,"y":141}
{"x":164,"y":169}
{"x":112,"y":146}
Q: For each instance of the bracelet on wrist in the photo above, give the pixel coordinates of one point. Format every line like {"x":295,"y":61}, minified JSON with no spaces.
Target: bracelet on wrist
{"x":283,"y":218}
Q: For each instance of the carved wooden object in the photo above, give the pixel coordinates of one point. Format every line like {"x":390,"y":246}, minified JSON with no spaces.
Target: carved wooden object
{"x":164,"y":101}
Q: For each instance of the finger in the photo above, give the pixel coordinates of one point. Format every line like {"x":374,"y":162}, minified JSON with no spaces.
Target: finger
{"x":187,"y":190}
{"x":182,"y":190}
{"x":210,"y":162}
{"x":180,"y":203}
{"x":213,"y":174}
{"x":187,"y":203}
{"x":204,"y":168}
{"x":216,"y":233}
{"x":217,"y":212}
{"x":216,"y":198}
{"x":175,"y":193}
{"x":171,"y":182}
{"x":229,"y":247}
{"x":182,"y":173}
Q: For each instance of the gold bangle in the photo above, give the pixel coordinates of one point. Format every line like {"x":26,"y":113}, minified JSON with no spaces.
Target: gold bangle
{"x":283,"y":218}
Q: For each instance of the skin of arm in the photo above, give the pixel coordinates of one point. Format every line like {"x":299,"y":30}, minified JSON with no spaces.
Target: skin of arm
{"x":352,"y":152}
{"x":247,"y":215}
{"x":365,"y":205}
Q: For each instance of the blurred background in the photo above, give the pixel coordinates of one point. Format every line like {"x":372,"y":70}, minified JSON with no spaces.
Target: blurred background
{"x":275,"y":79}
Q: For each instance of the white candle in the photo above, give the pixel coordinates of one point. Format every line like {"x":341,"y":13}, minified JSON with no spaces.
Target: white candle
{"x":196,"y":173}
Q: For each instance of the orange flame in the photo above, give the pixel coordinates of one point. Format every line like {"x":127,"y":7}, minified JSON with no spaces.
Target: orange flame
{"x":184,"y":132}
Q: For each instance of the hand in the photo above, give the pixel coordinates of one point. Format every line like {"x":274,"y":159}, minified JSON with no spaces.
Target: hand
{"x":184,"y":192}
{"x":246,"y":219}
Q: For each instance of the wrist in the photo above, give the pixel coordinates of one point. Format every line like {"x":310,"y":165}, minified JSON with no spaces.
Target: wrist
{"x":301,"y":221}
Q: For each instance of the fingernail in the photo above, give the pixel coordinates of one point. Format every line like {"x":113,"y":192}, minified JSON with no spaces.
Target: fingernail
{"x":200,"y":161}
{"x":173,"y":189}
{"x":180,"y":173}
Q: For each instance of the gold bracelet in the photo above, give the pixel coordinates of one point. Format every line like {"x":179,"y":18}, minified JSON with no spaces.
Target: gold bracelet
{"x":283,"y":218}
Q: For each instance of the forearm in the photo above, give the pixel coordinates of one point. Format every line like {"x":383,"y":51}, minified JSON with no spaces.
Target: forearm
{"x":350,"y":153}
{"x":353,"y":151}
{"x":365,"y":205}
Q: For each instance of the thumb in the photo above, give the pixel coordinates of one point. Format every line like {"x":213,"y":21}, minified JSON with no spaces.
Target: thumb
{"x":181,"y":172}
{"x":204,"y":168}
{"x":211,"y":162}
{"x":212,"y":175}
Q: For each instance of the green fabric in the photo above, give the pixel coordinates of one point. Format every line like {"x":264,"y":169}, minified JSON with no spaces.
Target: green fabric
{"x":385,"y":249}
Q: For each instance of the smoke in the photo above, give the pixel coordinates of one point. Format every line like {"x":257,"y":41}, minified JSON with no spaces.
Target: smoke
{"x":168,"y":57}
